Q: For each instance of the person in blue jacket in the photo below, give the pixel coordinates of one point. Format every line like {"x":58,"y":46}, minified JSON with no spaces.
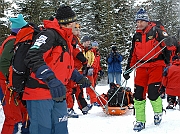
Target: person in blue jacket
{"x":114,"y":60}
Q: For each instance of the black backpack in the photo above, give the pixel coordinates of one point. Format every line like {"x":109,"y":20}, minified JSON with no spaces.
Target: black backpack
{"x":18,"y":72}
{"x":122,"y":97}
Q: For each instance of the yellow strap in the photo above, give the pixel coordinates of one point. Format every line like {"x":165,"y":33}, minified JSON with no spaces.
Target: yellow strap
{"x":26,"y":121}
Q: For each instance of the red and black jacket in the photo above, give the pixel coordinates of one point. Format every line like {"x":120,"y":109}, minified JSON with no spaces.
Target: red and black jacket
{"x":143,"y":42}
{"x":53,"y":48}
{"x":79,"y":58}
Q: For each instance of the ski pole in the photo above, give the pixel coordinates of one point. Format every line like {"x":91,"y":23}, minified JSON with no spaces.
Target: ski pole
{"x":115,"y":92}
{"x":98,"y":96}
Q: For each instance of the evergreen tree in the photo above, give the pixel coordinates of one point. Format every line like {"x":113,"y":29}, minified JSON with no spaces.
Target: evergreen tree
{"x":3,"y":20}
{"x":37,"y":10}
{"x":166,"y":12}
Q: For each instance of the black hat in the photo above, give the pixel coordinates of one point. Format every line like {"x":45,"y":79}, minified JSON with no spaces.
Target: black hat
{"x":65,"y":15}
{"x":114,"y":48}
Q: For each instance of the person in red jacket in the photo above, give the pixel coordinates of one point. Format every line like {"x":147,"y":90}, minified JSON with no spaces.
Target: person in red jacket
{"x":91,"y":61}
{"x":171,"y":79}
{"x":97,"y":64}
{"x":51,"y":62}
{"x":80,"y":63}
{"x":148,"y":55}
{"x":13,"y":113}
{"x":171,"y":100}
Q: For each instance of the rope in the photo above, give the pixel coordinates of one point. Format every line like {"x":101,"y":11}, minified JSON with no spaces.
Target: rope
{"x":115,"y":92}
{"x":133,"y":67}
{"x":123,"y":94}
{"x":98,"y":96}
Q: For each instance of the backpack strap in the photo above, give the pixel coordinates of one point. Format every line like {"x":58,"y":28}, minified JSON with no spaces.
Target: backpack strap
{"x":60,"y":42}
{"x":5,"y":41}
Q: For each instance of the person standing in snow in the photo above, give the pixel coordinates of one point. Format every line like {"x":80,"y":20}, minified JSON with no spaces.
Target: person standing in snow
{"x":97,"y":65}
{"x":13,"y":113}
{"x":114,"y":60}
{"x":146,"y":43}
{"x":80,"y":63}
{"x":51,"y":62}
{"x":171,"y":100}
{"x":89,"y":54}
{"x":171,"y":81}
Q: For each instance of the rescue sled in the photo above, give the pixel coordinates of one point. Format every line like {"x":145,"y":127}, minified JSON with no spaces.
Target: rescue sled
{"x":121,"y":110}
{"x":115,"y":110}
{"x":112,"y":110}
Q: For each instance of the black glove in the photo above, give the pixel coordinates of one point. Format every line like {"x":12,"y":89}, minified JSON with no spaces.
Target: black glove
{"x":126,"y":76}
{"x":169,"y":41}
{"x":84,"y":69}
{"x":84,"y":82}
{"x":162,"y":90}
{"x":57,"y":89}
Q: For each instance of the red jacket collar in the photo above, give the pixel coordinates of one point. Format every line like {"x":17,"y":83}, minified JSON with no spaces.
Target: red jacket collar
{"x":64,"y":32}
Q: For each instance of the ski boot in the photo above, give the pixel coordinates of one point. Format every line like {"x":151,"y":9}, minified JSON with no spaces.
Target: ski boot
{"x":157,"y":118}
{"x":72,"y":114}
{"x":138,"y":126}
{"x":171,"y":104}
{"x":86,"y":109}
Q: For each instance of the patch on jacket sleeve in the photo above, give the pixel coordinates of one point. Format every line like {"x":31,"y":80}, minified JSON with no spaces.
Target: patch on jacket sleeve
{"x":41,"y":40}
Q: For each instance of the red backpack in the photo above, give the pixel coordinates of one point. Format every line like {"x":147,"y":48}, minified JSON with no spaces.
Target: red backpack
{"x":11,"y":37}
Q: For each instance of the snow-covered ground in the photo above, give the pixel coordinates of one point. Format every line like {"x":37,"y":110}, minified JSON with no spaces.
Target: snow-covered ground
{"x":97,"y":122}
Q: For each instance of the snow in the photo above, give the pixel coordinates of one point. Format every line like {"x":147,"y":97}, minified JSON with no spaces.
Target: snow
{"x":97,"y":122}
{"x":1,"y":117}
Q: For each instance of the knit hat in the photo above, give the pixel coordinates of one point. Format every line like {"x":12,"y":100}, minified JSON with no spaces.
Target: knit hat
{"x":17,"y":23}
{"x":65,"y":15}
{"x":142,"y":15}
{"x":95,"y":44}
{"x":85,"y":38}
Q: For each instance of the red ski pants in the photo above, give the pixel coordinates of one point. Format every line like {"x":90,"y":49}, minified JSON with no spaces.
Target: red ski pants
{"x":90,"y":92}
{"x":148,"y":80}
{"x":13,"y":113}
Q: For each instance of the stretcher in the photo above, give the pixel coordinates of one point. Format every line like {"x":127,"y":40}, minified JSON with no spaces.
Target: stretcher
{"x":103,"y":101}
